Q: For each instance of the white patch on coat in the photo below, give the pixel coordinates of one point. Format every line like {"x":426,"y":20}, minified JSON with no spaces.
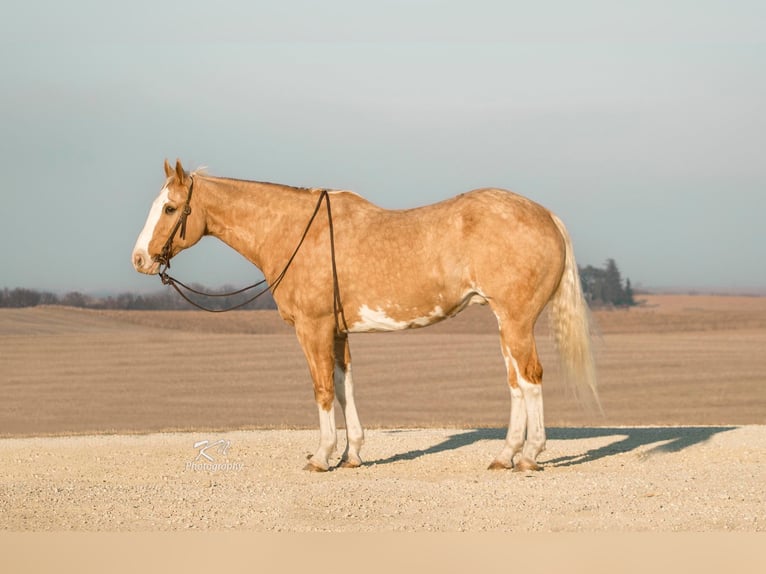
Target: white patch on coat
{"x":377,"y":320}
{"x":145,"y":237}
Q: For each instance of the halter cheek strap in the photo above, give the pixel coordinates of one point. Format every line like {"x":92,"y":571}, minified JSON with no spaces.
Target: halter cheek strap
{"x":184,"y":214}
{"x":167,"y":249}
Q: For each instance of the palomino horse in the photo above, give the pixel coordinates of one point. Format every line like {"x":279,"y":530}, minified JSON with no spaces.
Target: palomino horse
{"x":362,"y":268}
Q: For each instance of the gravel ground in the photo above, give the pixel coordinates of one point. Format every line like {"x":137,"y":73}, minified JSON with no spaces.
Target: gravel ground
{"x":595,"y":479}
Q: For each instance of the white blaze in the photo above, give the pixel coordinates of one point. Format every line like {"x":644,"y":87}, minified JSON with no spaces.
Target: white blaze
{"x":142,"y":243}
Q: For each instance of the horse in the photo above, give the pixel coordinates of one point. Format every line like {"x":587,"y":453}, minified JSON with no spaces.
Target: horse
{"x":363,"y":268}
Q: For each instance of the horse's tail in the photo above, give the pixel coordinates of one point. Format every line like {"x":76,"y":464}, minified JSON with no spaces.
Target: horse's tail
{"x":570,"y":322}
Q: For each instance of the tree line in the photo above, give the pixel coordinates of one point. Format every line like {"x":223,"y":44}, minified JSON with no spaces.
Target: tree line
{"x":161,"y":300}
{"x":601,"y":287}
{"x":605,"y":287}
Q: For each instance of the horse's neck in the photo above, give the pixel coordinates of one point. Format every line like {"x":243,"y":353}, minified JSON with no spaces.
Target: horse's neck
{"x":255,"y":219}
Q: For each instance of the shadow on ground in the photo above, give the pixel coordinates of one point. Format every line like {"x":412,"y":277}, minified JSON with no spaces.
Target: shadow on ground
{"x":627,"y":439}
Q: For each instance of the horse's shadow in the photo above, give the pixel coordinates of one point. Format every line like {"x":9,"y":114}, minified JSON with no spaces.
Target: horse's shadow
{"x":627,"y":439}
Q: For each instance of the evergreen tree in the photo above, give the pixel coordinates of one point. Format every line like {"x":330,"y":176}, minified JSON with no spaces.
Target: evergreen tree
{"x":605,"y":286}
{"x":613,"y":293}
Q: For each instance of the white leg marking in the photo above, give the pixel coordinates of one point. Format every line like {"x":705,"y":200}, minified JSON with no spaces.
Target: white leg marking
{"x":533,"y":406}
{"x":344,"y":390}
{"x":517,"y":425}
{"x":533,"y":398}
{"x":517,"y":429}
{"x":328,"y":438}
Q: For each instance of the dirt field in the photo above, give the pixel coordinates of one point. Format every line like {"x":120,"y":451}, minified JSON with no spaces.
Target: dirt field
{"x":437,"y":404}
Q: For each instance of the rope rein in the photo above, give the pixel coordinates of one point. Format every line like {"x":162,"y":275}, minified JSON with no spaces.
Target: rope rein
{"x":337,"y":305}
{"x":166,"y":255}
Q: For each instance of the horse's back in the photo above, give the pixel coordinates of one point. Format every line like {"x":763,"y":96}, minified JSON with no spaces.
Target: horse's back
{"x":474,"y":211}
{"x":474,"y":221}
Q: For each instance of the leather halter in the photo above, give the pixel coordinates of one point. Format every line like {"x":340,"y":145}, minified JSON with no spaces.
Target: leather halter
{"x":167,"y":250}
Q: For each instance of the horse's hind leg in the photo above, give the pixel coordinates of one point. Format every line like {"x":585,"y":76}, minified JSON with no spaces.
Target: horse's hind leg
{"x":517,"y":428}
{"x":344,"y":389}
{"x":526,"y":429}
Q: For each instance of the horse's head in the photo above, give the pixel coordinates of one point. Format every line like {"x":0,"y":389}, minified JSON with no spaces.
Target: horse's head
{"x":174,"y":223}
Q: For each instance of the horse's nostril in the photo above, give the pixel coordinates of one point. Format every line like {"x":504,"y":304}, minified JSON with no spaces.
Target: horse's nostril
{"x":138,"y":260}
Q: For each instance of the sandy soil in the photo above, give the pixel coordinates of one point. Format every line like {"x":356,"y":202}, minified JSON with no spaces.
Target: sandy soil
{"x":691,"y":361}
{"x":604,"y":479}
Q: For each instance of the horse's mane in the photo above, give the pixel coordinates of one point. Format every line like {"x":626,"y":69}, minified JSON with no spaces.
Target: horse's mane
{"x":204,"y":173}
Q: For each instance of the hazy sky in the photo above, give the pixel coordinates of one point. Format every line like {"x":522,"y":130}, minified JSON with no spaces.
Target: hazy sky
{"x":642,"y":124}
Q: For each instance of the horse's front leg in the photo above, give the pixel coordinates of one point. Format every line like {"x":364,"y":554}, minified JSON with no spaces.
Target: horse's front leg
{"x":344,"y":388}
{"x":317,"y":341}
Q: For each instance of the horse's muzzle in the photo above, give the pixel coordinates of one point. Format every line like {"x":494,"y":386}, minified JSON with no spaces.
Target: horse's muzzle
{"x":143,"y":263}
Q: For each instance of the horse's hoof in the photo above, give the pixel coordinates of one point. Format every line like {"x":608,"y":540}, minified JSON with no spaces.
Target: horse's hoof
{"x":311,"y":467}
{"x":350,"y":464}
{"x":526,"y":464}
{"x":497,"y":465}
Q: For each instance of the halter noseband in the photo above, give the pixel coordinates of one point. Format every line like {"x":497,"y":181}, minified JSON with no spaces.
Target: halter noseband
{"x":166,"y":254}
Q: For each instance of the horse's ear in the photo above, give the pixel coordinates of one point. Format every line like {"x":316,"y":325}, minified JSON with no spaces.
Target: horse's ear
{"x":180,"y":171}
{"x":168,"y":169}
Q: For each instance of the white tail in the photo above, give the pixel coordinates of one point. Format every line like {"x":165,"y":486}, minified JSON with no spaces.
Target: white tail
{"x":569,"y":320}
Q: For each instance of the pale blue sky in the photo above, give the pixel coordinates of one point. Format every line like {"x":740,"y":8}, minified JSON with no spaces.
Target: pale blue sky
{"x":642,"y":124}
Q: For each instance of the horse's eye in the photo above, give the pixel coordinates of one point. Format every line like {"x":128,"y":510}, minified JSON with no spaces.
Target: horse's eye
{"x":169,"y":209}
